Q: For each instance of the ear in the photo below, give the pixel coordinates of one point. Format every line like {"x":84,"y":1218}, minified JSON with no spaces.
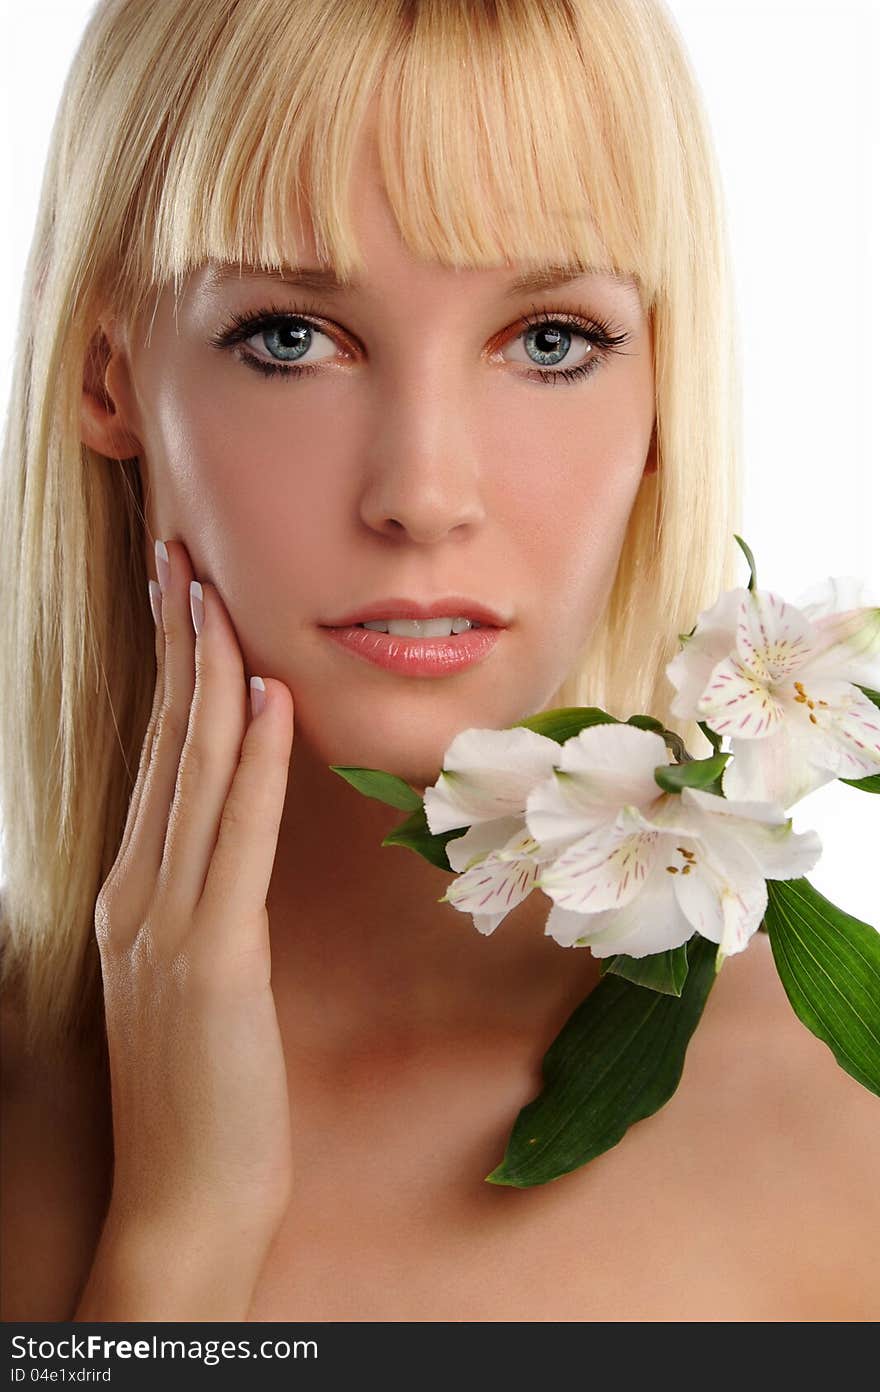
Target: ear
{"x":651,"y":457}
{"x":106,"y":395}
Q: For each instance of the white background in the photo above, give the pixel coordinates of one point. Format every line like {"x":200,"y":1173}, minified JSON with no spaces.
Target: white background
{"x":788,"y":85}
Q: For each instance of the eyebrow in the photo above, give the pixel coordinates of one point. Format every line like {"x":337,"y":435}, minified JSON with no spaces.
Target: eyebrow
{"x":550,"y":277}
{"x":325,"y":278}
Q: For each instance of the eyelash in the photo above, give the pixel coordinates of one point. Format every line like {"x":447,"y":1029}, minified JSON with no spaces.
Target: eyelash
{"x":242,"y":326}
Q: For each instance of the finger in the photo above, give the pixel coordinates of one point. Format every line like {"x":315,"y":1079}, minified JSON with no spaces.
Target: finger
{"x":148,"y":835}
{"x":147,"y":746}
{"x":237,"y":884}
{"x":217,"y":723}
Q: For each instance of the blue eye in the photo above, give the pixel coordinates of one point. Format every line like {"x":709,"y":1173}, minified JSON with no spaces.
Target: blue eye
{"x":291,"y":338}
{"x":289,"y":335}
{"x":548,"y":341}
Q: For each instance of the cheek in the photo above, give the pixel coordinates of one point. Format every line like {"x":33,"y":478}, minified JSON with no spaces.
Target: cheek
{"x":248,"y":495}
{"x":567,"y":506}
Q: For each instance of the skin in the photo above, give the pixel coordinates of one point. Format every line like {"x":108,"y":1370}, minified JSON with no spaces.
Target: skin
{"x":410,"y":1041}
{"x":419,"y":459}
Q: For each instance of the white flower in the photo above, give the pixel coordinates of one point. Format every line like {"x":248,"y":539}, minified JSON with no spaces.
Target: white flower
{"x":778,"y":680}
{"x":487,"y":776}
{"x":642,"y":870}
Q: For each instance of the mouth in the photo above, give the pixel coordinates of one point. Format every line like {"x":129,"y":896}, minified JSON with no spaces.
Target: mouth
{"x":431,"y":647}
{"x":407,"y":618}
{"x":418,"y":628}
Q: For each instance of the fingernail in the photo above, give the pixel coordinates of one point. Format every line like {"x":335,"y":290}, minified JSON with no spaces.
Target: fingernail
{"x":163,"y":566}
{"x":196,"y":605}
{"x":156,"y":602}
{"x":258,"y":695}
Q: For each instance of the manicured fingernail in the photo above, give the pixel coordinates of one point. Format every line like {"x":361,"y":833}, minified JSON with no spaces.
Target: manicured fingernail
{"x":156,"y":602}
{"x":258,"y":695}
{"x":163,"y":566}
{"x":197,"y":605}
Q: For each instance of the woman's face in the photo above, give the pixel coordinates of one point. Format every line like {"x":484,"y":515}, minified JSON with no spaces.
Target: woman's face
{"x":419,"y":456}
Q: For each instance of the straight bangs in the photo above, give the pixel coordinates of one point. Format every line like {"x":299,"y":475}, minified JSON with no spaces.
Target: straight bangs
{"x":505,"y":132}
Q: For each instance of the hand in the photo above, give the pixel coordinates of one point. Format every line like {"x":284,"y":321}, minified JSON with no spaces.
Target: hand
{"x":201,"y":1116}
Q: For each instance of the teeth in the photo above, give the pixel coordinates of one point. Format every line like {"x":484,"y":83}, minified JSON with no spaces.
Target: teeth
{"x":420,"y":628}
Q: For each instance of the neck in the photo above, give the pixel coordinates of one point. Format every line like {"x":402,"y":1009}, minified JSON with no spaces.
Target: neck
{"x":361,"y":947}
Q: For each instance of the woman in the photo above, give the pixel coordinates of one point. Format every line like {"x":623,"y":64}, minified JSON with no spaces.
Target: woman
{"x":425,"y":215}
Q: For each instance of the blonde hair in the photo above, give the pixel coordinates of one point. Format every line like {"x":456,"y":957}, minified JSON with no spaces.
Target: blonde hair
{"x":184,"y":129}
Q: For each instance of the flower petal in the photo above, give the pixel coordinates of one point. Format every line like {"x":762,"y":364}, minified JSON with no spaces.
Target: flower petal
{"x":723,"y":894}
{"x":525,"y":845}
{"x":713,"y":638}
{"x":777,"y":769}
{"x":772,"y":814}
{"x":481,"y":840}
{"x":742,"y":911}
{"x":777,"y":851}
{"x":846,"y":647}
{"x":831,"y":730}
{"x":773,"y":639}
{"x":830,"y":596}
{"x":604,"y":870}
{"x":736,"y":703}
{"x":614,"y":763}
{"x":556,"y":813}
{"x":599,"y":769}
{"x":565,"y":927}
{"x":839,"y":728}
{"x":490,"y":889}
{"x":487,"y":774}
{"x":651,"y":922}
{"x":487,"y":923}
{"x":700,"y":818}
{"x":670,"y":814}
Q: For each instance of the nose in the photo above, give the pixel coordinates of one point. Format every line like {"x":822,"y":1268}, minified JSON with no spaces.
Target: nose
{"x":423,"y":475}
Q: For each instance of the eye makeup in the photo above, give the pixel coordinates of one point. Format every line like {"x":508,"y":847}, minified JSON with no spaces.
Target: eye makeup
{"x":603,"y":337}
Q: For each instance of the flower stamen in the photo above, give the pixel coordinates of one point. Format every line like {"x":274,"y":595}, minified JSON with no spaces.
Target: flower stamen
{"x":803,"y":699}
{"x":690,"y":860}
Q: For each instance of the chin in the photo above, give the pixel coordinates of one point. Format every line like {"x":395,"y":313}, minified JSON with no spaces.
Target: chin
{"x":410,"y":744}
{"x":400,"y":747}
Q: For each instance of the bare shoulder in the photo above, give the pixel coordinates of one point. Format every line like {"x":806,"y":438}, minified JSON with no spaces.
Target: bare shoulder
{"x":807,"y":1133}
{"x":783,"y":1057}
{"x":55,"y":1164}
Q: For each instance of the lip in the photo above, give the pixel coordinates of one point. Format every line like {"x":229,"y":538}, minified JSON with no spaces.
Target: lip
{"x":416,"y":657}
{"x":448,"y":606}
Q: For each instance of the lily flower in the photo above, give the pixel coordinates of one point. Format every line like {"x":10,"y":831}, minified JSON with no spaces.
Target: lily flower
{"x":779,"y":680}
{"x":642,"y":869}
{"x":486,"y":779}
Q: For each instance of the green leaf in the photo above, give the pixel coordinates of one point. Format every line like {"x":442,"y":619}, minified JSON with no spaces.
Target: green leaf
{"x":753,"y":576}
{"x":829,"y":963}
{"x":375,"y":783}
{"x":870,"y":784}
{"x":696,"y":773}
{"x":647,"y":722}
{"x":565,"y":722}
{"x":711,"y":735}
{"x":416,"y":835}
{"x":617,"y":1059}
{"x":660,"y":971}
